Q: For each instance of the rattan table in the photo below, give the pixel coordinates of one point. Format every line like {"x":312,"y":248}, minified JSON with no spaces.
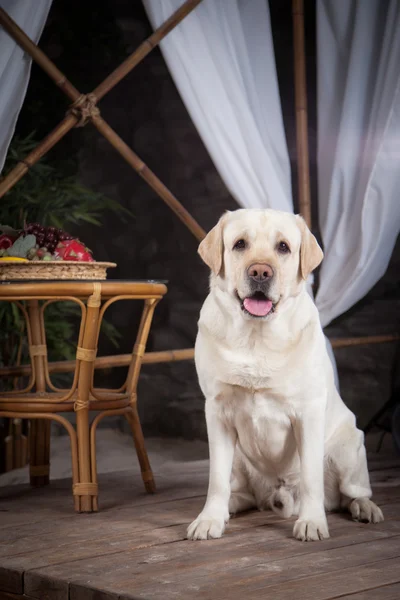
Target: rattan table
{"x":41,"y":401}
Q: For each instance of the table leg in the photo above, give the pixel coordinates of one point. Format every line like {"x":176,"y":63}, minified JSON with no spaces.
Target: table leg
{"x":86,"y":489}
{"x":39,"y":434}
{"x":144,"y":462}
{"x":132,"y":381}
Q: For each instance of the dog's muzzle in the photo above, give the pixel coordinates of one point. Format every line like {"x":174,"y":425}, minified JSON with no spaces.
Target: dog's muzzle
{"x":258,"y":303}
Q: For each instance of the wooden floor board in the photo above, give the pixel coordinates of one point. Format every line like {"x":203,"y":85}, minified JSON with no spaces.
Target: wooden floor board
{"x":330,"y":586}
{"x":244,"y":575}
{"x":386,"y":592}
{"x":135,"y":547}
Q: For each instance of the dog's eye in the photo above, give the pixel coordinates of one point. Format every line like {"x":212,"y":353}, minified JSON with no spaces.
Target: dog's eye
{"x":283,"y":248}
{"x":239,"y":245}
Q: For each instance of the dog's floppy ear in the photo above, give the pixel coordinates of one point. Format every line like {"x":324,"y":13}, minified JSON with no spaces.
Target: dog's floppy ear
{"x":211,"y":249}
{"x":311,"y":254}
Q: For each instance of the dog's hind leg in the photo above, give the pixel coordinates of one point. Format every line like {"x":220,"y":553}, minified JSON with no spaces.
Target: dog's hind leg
{"x":240,"y":501}
{"x":349,"y":459}
{"x":242,"y":497}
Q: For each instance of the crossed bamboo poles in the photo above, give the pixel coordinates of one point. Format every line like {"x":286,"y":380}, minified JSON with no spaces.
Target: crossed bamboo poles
{"x":84,"y":110}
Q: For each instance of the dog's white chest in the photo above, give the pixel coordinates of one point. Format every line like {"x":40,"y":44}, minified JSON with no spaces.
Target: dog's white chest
{"x":245,"y":368}
{"x":264,"y":430}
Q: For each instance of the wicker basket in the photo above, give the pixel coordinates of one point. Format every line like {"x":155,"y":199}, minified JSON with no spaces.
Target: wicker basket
{"x":60,"y":269}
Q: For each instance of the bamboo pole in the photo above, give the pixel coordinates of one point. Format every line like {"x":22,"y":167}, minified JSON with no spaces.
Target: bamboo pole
{"x":143,"y":50}
{"x":41,"y":149}
{"x":303,"y":166}
{"x":363,"y":341}
{"x":104,"y":362}
{"x":38,"y":55}
{"x":150,"y":358}
{"x":145,"y":173}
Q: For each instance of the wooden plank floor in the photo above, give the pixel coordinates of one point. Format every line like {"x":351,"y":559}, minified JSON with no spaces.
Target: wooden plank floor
{"x":135,"y":547}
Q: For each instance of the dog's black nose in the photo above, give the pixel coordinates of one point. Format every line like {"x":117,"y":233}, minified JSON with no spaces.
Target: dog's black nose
{"x":260,"y":272}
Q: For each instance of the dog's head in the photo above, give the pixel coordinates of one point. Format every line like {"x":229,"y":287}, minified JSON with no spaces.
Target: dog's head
{"x":261,"y":257}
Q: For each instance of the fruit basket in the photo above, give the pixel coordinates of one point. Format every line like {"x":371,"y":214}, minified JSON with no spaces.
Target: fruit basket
{"x":37,"y":269}
{"x":38,"y":252}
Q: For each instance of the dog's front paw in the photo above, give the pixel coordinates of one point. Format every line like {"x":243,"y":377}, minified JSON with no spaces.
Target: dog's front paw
{"x":366,"y":511}
{"x":310,"y":530}
{"x":206,"y":527}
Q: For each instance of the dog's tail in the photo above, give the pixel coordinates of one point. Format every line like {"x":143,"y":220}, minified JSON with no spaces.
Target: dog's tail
{"x":282,"y":502}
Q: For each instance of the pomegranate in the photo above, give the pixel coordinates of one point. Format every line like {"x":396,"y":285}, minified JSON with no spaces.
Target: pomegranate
{"x":6,"y":241}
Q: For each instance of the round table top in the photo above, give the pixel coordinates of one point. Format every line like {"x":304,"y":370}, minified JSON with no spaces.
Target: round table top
{"x":58,"y":288}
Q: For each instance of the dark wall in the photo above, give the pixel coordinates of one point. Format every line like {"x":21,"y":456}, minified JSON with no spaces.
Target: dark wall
{"x":146,"y":110}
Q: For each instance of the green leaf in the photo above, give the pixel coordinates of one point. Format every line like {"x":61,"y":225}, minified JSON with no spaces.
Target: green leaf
{"x":22,"y":245}
{"x":6,"y":230}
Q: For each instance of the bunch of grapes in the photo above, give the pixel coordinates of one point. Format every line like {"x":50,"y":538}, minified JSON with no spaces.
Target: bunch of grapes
{"x":47,"y":237}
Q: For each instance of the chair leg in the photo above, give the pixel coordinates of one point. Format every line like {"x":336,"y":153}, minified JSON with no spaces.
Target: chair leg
{"x":131,"y":385}
{"x":39,"y":456}
{"x":85,"y":489}
{"x":40,"y":428}
{"x":147,"y":474}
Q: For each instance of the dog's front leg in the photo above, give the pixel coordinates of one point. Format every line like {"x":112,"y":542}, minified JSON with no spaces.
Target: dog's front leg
{"x":309,"y":428}
{"x":221,"y":440}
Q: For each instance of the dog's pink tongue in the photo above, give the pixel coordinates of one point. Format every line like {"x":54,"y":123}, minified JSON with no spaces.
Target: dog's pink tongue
{"x":258,"y":308}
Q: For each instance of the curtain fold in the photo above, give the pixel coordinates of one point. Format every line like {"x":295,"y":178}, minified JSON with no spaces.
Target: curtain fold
{"x":221,"y":58}
{"x":358,"y":105}
{"x":15,"y":65}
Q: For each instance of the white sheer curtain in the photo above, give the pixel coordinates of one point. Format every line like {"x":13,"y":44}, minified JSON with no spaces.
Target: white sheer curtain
{"x":15,"y":65}
{"x":358,"y":54}
{"x":221,"y":58}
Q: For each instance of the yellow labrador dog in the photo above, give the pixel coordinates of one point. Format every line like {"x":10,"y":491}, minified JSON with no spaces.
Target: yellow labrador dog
{"x":280,"y":436}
